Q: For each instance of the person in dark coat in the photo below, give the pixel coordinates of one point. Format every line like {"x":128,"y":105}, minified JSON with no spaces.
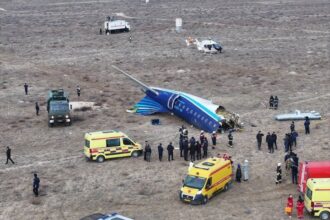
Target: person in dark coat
{"x":36,"y":184}
{"x":8,"y":154}
{"x":307,"y":124}
{"x":271,"y":101}
{"x":170,"y":150}
{"x":198,"y":150}
{"x":290,"y":137}
{"x":101,"y":31}
{"x":181,"y":141}
{"x":294,"y":136}
{"x":78,"y":91}
{"x":259,"y":139}
{"x":278,"y":174}
{"x":274,"y":138}
{"x":268,"y":141}
{"x":294,"y":169}
{"x":37,"y":108}
{"x":192,"y":149}
{"x":160,"y":151}
{"x":146,"y":146}
{"x":276,"y":102}
{"x":26,"y":88}
{"x":148,"y":153}
{"x":292,"y":126}
{"x":205,"y":144}
{"x":185,"y":149}
{"x":286,"y":143}
{"x":230,"y":139}
{"x":238,"y":173}
{"x":214,"y":139}
{"x":201,"y":136}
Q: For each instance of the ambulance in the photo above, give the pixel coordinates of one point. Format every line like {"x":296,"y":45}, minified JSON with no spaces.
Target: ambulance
{"x":206,"y":179}
{"x":101,"y":145}
{"x":317,"y":197}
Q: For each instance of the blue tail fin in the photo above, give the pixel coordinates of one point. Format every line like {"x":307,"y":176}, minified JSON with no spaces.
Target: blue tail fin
{"x":147,"y":106}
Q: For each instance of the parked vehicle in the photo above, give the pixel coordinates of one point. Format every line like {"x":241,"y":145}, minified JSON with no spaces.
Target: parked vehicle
{"x":205,"y":179}
{"x":317,"y":197}
{"x":101,"y":145}
{"x":112,"y":26}
{"x":58,"y":107}
{"x":312,"y":169}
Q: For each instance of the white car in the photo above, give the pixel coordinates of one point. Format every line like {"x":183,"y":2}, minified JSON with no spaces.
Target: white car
{"x":99,"y":216}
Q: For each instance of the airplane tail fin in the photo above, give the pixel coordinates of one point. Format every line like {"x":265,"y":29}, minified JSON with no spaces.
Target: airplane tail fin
{"x":145,"y":88}
{"x":147,"y":106}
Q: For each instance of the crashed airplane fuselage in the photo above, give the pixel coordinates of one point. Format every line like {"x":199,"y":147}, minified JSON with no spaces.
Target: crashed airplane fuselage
{"x":199,"y":112}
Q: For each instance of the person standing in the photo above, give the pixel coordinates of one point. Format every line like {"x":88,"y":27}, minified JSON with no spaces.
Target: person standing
{"x":192,"y":149}
{"x":198,"y":150}
{"x":286,"y":143}
{"x":259,"y":139}
{"x":289,"y":206}
{"x":181,"y":141}
{"x":230,"y":139}
{"x":292,"y":126}
{"x":160,"y":152}
{"x":294,"y":169}
{"x":8,"y":153}
{"x":170,"y":150}
{"x":294,"y":136}
{"x":130,"y":39}
{"x":37,"y":108}
{"x":148,"y":153}
{"x":268,"y":141}
{"x":306,"y":125}
{"x":146,"y":146}
{"x":278,"y":174}
{"x":26,"y":88}
{"x":238,"y":173}
{"x":214,"y":139}
{"x":36,"y":184}
{"x":78,"y":91}
{"x":300,"y":208}
{"x":185,"y":149}
{"x":271,"y":101}
{"x":274,"y":138}
{"x":205,"y":147}
{"x":276,"y":102}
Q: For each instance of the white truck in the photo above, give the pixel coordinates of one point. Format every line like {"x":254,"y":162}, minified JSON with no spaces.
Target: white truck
{"x":112,"y":26}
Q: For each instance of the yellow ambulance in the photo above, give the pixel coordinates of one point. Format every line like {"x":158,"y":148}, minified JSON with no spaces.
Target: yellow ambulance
{"x":101,"y":145}
{"x":205,"y":179}
{"x":317,"y":197}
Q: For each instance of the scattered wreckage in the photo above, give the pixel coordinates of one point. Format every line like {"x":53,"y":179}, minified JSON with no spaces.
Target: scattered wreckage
{"x":205,"y":45}
{"x":298,"y":115}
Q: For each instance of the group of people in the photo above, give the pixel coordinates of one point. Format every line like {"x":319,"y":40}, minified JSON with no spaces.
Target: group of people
{"x":273,"y":102}
{"x":299,"y":207}
{"x":271,"y":140}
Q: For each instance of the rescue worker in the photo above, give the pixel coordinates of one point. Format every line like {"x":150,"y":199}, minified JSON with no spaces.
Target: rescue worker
{"x":289,"y":206}
{"x":230,"y":139}
{"x":192,"y":149}
{"x":300,"y":208}
{"x":148,"y":153}
{"x":294,"y":169}
{"x":278,"y":174}
{"x":259,"y":139}
{"x":205,"y":144}
{"x":290,"y":141}
{"x":160,"y":151}
{"x":274,"y":138}
{"x":181,"y":141}
{"x":201,"y":136}
{"x":36,"y":184}
{"x":170,"y":150}
{"x":271,"y":101}
{"x":146,"y":146}
{"x":292,"y":126}
{"x":100,"y":31}
{"x":275,"y":102}
{"x":198,"y":150}
{"x":8,"y":153}
{"x":214,"y":139}
{"x":130,"y":39}
{"x":78,"y":91}
{"x":37,"y":108}
{"x":26,"y":88}
{"x":294,"y":136}
{"x":306,"y":125}
{"x":238,"y":173}
{"x":185,"y":149}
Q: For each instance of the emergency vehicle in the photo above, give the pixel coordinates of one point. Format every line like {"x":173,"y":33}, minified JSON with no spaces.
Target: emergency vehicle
{"x":312,"y":169}
{"x":317,"y":197}
{"x":205,"y":179}
{"x":101,"y":145}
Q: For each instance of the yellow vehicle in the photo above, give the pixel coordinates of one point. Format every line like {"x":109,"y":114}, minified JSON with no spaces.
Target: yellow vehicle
{"x":317,"y":197}
{"x":101,"y":145}
{"x":205,"y":179}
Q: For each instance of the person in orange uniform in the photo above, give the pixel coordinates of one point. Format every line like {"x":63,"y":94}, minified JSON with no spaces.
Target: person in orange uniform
{"x":289,"y":206}
{"x":300,"y":208}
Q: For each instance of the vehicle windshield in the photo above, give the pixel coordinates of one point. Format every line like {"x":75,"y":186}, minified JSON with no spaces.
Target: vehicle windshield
{"x":309,"y":193}
{"x":194,"y":182}
{"x":59,"y":107}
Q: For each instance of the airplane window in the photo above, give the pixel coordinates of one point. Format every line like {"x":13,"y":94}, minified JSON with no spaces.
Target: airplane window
{"x":206,"y":119}
{"x":191,"y":111}
{"x":187,"y":109}
{"x":202,"y":118}
{"x":210,"y":122}
{"x":183,"y":107}
{"x":195,"y":113}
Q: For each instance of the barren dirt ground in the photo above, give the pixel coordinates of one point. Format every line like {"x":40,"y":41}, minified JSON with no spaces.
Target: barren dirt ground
{"x":270,"y":47}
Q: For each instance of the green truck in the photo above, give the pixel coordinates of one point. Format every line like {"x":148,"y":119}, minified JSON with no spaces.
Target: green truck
{"x":58,"y":107}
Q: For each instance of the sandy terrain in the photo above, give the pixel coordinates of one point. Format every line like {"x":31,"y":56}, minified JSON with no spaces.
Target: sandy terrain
{"x":270,"y":47}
